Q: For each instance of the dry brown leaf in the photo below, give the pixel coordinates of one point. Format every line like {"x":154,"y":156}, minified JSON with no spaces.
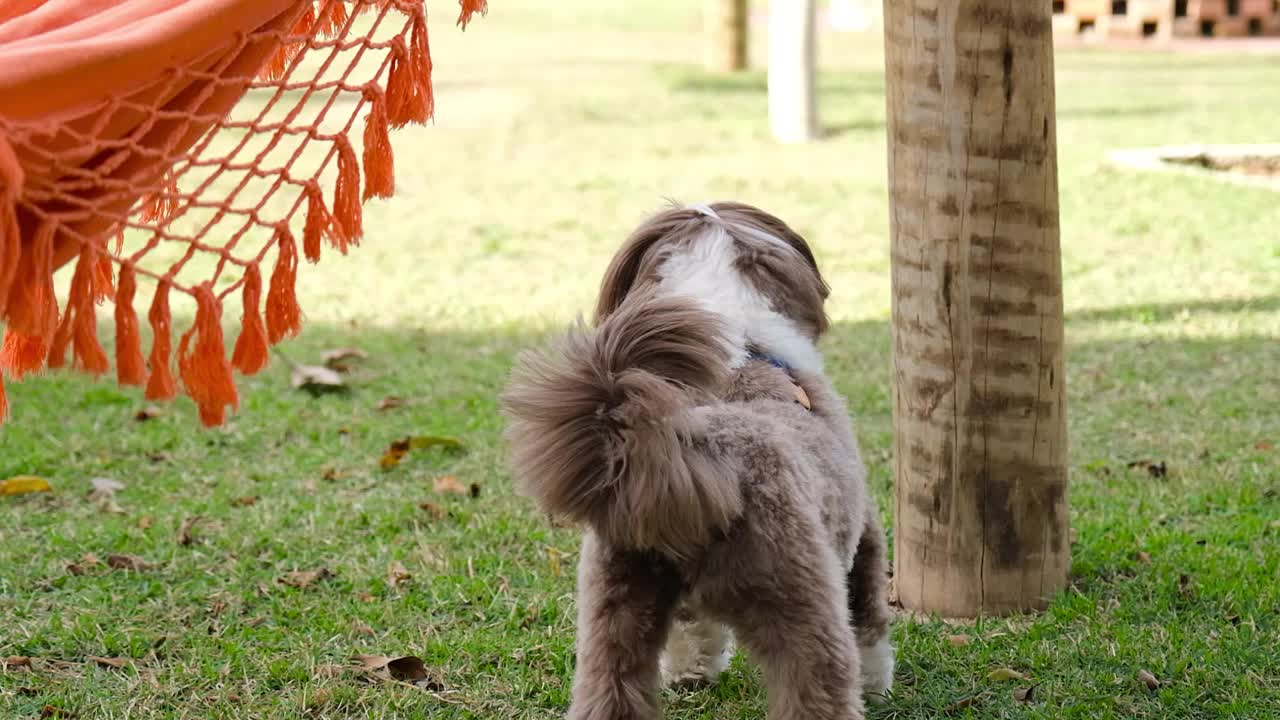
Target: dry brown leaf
{"x":397,"y":574}
{"x":365,"y":597}
{"x":28,"y":691}
{"x":16,"y":661}
{"x":1146,"y":678}
{"x":362,"y":629}
{"x":303,"y":579}
{"x":330,"y":474}
{"x":394,"y":454}
{"x":1025,"y":695}
{"x":53,"y":711}
{"x":391,"y":401}
{"x":449,"y":485}
{"x":371,"y":663}
{"x":184,"y":530}
{"x":150,"y":412}
{"x":1264,"y":445}
{"x":316,"y":380}
{"x":334,"y":359}
{"x":145,"y":522}
{"x":1002,"y":674}
{"x":959,"y":640}
{"x":434,"y":510}
{"x":86,"y":563}
{"x":246,"y":501}
{"x":1144,"y":557}
{"x":474,"y":490}
{"x":128,"y":562}
{"x":110,"y":662}
{"x":412,"y":670}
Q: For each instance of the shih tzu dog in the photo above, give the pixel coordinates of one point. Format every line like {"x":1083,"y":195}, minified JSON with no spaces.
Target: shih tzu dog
{"x":715,"y":469}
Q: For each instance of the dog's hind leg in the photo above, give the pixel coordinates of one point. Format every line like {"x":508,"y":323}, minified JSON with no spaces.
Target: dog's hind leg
{"x":869,"y":609}
{"x":625,"y":604}
{"x":794,"y":621}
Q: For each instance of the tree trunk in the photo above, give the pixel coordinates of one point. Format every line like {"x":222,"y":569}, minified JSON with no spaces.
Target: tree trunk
{"x":725,"y":24}
{"x":793,"y":108}
{"x":979,"y":406}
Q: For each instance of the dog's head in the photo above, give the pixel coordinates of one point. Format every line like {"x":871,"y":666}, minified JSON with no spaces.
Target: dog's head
{"x":740,"y":262}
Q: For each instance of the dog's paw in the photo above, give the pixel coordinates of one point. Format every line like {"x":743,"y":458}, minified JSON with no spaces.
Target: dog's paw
{"x":877,"y":670}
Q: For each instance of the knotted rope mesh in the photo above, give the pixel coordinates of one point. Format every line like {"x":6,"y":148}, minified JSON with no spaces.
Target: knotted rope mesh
{"x":199,"y":147}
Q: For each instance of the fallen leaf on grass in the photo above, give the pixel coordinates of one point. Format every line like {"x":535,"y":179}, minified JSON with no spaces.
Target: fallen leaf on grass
{"x":397,"y":574}
{"x":1002,"y":674}
{"x":335,"y":359}
{"x":1025,"y":695}
{"x":24,"y":484}
{"x":16,"y":661}
{"x":104,"y":494}
{"x":53,"y":711}
{"x":303,"y":579}
{"x":408,"y":669}
{"x":553,"y":562}
{"x":246,"y":501}
{"x":449,"y":485}
{"x":389,"y":402}
{"x":184,"y":530}
{"x":434,"y":510}
{"x":1264,"y":445}
{"x":28,"y":691}
{"x":87,"y":563}
{"x":150,"y":412}
{"x":1144,"y":558}
{"x":1185,"y":588}
{"x":110,"y":662}
{"x":145,"y":522}
{"x":398,"y":449}
{"x":1146,"y":678}
{"x":1153,"y":468}
{"x":316,"y":380}
{"x":362,"y":629}
{"x":959,"y":640}
{"x":128,"y":562}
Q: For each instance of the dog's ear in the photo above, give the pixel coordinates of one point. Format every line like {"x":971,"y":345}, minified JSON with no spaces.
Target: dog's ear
{"x":637,"y":262}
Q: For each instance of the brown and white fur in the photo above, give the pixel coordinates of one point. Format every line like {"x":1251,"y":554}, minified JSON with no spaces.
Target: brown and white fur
{"x":714,"y":500}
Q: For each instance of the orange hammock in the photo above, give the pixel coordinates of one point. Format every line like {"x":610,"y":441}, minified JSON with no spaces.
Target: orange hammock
{"x":202,"y":137}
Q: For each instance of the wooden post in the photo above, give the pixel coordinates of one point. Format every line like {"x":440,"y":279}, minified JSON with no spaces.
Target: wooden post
{"x":793,"y":105}
{"x":725,"y":30}
{"x":979,"y":405}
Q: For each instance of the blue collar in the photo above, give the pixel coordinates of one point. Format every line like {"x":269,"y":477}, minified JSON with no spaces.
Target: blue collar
{"x":773,"y":360}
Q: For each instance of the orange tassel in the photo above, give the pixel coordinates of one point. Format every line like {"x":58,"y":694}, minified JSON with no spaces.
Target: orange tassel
{"x":346,"y":197}
{"x":206,"y":374}
{"x":33,"y":307}
{"x":130,"y":369}
{"x":161,"y":205}
{"x":250,"y":354}
{"x":103,"y":282}
{"x":120,"y":241}
{"x":400,"y":86}
{"x":379,"y":164}
{"x":469,"y":8}
{"x":62,"y":336}
{"x":332,"y":18}
{"x":284,"y":317}
{"x":12,"y":178}
{"x":10,"y":250}
{"x":161,"y":385}
{"x":22,"y":354}
{"x":87,"y":351}
{"x":318,"y":223}
{"x":420,"y":55}
{"x":4,"y":402}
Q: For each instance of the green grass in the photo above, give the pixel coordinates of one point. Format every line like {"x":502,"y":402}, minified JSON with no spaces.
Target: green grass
{"x":551,"y":143}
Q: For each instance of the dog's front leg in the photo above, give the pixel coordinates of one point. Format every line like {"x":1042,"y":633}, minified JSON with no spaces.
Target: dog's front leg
{"x":626,"y":600}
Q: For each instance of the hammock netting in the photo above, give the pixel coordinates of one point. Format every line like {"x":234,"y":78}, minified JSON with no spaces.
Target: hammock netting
{"x":199,"y":147}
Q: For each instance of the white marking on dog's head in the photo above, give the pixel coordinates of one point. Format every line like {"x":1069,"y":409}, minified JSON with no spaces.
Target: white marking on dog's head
{"x":705,"y":271}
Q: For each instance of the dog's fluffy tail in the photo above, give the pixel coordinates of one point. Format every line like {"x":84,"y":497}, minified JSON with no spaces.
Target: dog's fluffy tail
{"x":601,"y":431}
